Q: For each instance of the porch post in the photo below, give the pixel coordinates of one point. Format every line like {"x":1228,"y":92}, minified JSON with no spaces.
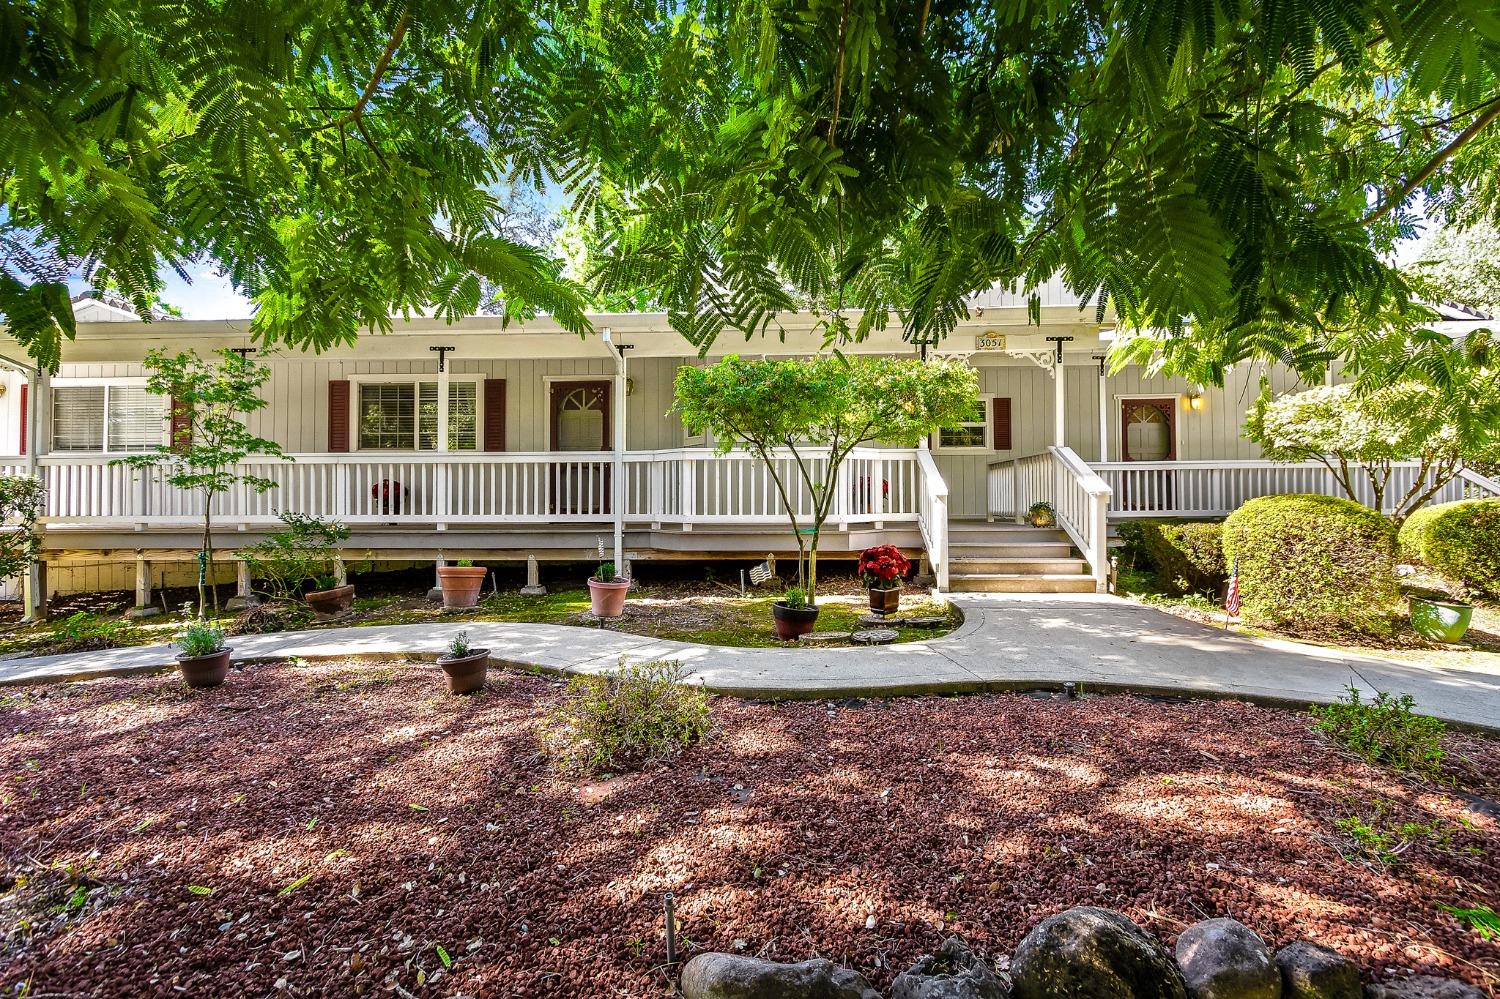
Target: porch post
{"x":143,"y":606}
{"x":1059,"y":401}
{"x":617,"y":476}
{"x":1103,"y":409}
{"x":37,"y":438}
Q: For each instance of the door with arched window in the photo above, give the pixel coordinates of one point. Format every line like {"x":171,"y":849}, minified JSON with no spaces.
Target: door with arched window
{"x":580,"y":422}
{"x":1148,"y":432}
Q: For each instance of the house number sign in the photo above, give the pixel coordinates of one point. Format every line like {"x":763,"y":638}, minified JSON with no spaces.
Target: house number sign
{"x":989,"y":341}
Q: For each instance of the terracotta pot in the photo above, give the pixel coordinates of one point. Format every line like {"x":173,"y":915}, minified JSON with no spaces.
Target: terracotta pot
{"x":466,"y":675}
{"x":608,"y":599}
{"x":329,"y":604}
{"x":886,"y":601}
{"x":205,"y":671}
{"x":792,"y":621}
{"x":461,"y":584}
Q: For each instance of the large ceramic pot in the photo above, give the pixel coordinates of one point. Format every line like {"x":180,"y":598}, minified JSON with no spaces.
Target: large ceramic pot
{"x":461,"y":584}
{"x":608,"y":599}
{"x":329,"y":604}
{"x":886,"y":601}
{"x":1440,"y":620}
{"x":466,"y":673}
{"x":792,"y":621}
{"x":205,"y":671}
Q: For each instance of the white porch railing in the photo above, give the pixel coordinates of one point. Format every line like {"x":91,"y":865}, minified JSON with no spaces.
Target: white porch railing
{"x":1079,"y":498}
{"x":932,"y":516}
{"x":1218,"y":488}
{"x":684,"y":487}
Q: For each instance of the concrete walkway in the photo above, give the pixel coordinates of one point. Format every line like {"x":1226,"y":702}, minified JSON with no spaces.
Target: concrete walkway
{"x":1007,"y":642}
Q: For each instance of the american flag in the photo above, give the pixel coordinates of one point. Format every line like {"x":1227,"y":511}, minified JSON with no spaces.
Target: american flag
{"x":1232,"y":598}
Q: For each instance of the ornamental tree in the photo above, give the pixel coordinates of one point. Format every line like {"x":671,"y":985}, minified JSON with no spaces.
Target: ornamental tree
{"x":22,"y":501}
{"x":803,"y":417}
{"x":1359,"y":435}
{"x":209,"y":439}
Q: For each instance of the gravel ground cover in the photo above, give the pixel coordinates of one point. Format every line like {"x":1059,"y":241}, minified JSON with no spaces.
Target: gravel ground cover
{"x":347,"y":829}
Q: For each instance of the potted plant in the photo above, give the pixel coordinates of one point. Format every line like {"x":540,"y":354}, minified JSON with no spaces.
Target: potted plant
{"x":1438,"y":619}
{"x":305,"y":551}
{"x":204,"y":659}
{"x":465,"y":665}
{"x":607,"y":591}
{"x":330,"y":600}
{"x":793,"y":615}
{"x":881,"y":570}
{"x":1041,"y":515}
{"x":461,"y":583}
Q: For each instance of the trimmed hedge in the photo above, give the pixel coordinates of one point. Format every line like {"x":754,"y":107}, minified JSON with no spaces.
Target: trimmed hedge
{"x":1459,"y":540}
{"x":1187,"y":555}
{"x":1314,"y":560}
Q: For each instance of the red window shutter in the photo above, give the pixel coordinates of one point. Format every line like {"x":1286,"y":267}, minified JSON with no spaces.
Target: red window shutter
{"x":25,"y":415}
{"x":1001,"y":421}
{"x":494,"y":414}
{"x":182,"y":424}
{"x":338,"y":415}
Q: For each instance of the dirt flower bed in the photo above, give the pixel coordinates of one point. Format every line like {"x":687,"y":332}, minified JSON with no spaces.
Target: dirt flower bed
{"x":341,"y":829}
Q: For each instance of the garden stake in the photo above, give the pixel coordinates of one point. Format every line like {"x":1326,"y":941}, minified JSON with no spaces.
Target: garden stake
{"x":671,"y":930}
{"x":1071,"y":689}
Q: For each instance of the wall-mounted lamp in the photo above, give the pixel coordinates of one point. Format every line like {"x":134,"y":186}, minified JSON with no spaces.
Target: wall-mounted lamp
{"x":1194,"y":401}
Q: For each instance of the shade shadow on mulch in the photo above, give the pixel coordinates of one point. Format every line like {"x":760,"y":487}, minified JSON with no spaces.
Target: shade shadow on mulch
{"x":333,"y":829}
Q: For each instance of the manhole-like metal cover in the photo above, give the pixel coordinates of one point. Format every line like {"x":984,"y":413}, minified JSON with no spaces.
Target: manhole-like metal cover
{"x":875,"y":636}
{"x":877,"y":620}
{"x":820,"y":637}
{"x":936,"y":621}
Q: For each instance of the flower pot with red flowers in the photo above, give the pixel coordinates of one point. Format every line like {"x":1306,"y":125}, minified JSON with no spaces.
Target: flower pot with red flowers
{"x":607,"y":592}
{"x":881,"y":570}
{"x":461,"y":583}
{"x":793,"y":615}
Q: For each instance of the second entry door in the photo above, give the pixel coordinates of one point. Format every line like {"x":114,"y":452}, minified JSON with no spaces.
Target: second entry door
{"x":579,"y":422}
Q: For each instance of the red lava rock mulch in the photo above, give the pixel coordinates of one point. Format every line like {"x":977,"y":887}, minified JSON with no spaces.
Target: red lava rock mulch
{"x":350,"y":830}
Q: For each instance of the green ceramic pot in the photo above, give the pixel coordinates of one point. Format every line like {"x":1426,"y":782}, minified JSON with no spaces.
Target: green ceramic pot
{"x":1439,"y":620}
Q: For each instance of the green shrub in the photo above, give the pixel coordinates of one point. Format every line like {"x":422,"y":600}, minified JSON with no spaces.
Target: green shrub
{"x":795,"y":597}
{"x":1459,"y":540}
{"x":1187,"y":556}
{"x":199,"y":639}
{"x":1385,"y":730}
{"x":632,"y":717}
{"x":85,"y":632}
{"x":1308,"y":560}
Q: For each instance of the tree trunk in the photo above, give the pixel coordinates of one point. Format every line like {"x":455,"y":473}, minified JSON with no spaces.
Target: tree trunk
{"x":812,"y":571}
{"x":206,"y":570}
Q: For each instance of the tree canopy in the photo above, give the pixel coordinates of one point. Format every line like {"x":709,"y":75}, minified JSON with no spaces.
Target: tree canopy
{"x":1228,"y":172}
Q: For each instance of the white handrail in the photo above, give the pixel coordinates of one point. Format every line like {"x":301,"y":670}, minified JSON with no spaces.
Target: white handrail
{"x":1480,"y":483}
{"x":932,"y":517}
{"x":1079,"y":497}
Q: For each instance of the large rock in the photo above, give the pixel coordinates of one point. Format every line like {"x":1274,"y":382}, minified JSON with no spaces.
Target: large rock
{"x":731,"y":976}
{"x":1091,"y":953}
{"x":1312,"y":972}
{"x":954,"y":972}
{"x":1224,"y":959}
{"x":1423,"y":987}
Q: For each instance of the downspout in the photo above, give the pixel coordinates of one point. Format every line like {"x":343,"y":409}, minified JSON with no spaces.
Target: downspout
{"x":32,"y":583}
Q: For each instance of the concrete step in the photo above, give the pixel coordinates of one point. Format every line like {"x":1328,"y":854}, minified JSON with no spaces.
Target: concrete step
{"x":1031,"y":566}
{"x":1020,"y":583}
{"x":1031,"y":549}
{"x":1003,"y":531}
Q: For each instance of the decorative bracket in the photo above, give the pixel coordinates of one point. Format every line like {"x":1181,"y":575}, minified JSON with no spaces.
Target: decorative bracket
{"x":442,"y":353}
{"x":1100,"y":358}
{"x":1041,"y":358}
{"x":1059,"y":340}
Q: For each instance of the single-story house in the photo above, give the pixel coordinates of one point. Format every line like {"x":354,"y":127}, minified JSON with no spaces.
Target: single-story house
{"x":438,"y":442}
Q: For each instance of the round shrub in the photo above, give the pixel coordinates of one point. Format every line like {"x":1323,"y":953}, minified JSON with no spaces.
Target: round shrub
{"x":1308,"y":560}
{"x":1187,"y":555}
{"x":1459,"y":540}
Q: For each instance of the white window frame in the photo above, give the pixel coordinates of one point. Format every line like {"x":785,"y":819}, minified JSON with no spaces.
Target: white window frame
{"x":128,"y":381}
{"x":987,"y":408}
{"x":443,"y":381}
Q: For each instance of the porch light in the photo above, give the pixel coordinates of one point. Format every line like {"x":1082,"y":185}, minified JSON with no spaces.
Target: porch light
{"x":1194,"y":400}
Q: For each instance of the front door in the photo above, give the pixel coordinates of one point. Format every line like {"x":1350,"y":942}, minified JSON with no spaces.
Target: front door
{"x":580,"y":422}
{"x":1148,"y":432}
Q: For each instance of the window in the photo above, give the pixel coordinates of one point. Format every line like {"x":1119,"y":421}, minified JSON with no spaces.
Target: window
{"x":107,"y":418}
{"x":971,"y":433}
{"x":403,"y":416}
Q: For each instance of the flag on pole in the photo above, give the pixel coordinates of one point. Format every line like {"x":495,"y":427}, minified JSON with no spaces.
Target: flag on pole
{"x":761,"y":573}
{"x":1232,"y":598}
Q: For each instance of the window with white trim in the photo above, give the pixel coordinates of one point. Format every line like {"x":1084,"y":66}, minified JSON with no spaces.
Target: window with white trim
{"x":403,"y":416}
{"x":107,"y":418}
{"x":973,"y":433}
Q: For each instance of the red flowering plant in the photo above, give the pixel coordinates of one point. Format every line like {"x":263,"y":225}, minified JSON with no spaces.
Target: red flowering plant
{"x":882,"y":567}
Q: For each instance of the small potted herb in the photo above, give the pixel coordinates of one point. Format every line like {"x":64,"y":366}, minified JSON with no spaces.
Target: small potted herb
{"x":465,"y":665}
{"x":1041,"y":515}
{"x":461,"y":583}
{"x":204,"y":659}
{"x":793,"y":615}
{"x":607,"y":592}
{"x":881,"y":569}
